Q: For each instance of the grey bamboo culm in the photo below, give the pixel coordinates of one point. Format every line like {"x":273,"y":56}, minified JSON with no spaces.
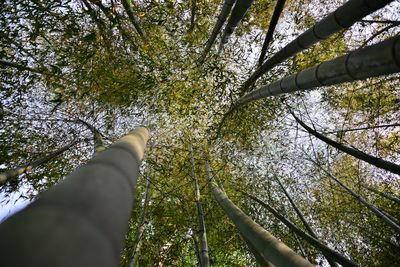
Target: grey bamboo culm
{"x":371,"y":61}
{"x":204,"y":257}
{"x":82,"y":221}
{"x":134,"y":20}
{"x":389,"y":222}
{"x":262,"y":262}
{"x":311,"y":240}
{"x":303,"y":219}
{"x":14,"y":173}
{"x":343,"y":17}
{"x":226,"y":9}
{"x":271,"y":28}
{"x":382,"y":194}
{"x":266,"y":244}
{"x":137,"y":243}
{"x":238,"y":12}
{"x":377,"y":162}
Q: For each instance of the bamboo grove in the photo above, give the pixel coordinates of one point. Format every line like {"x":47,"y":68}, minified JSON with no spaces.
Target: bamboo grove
{"x":199,"y":133}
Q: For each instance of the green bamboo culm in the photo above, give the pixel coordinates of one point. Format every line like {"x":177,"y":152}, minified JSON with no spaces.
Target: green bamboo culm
{"x":83,"y":220}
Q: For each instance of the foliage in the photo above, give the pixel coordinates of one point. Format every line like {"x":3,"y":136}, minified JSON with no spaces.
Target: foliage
{"x":85,"y":60}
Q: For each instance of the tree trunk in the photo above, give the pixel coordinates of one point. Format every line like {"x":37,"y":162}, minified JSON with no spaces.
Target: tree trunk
{"x":368,"y":205}
{"x":378,"y":162}
{"x":303,"y":220}
{"x":311,"y":240}
{"x":205,"y":260}
{"x":271,"y":28}
{"x":226,"y":8}
{"x":97,"y":138}
{"x":238,"y":12}
{"x":266,"y":244}
{"x":17,"y":66}
{"x":14,"y":173}
{"x":392,"y":198}
{"x":134,"y":20}
{"x":259,"y":258}
{"x":196,"y":249}
{"x":137,"y":244}
{"x":343,"y":17}
{"x":82,"y":221}
{"x":371,"y":61}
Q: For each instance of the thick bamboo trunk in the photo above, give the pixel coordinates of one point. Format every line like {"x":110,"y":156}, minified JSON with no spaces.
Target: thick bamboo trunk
{"x":226,"y":9}
{"x":311,"y":240}
{"x":262,"y":262}
{"x":378,"y":162}
{"x":238,"y":12}
{"x":267,"y":245}
{"x":82,"y":221}
{"x":271,"y":28}
{"x":204,"y":257}
{"x":343,"y":17}
{"x":137,"y":243}
{"x":371,"y":61}
{"x":303,"y":220}
{"x":389,"y":222}
{"x":14,"y":173}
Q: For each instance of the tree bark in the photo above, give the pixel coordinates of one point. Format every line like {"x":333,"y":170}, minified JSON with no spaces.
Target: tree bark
{"x":205,"y":260}
{"x":382,"y":194}
{"x":371,"y":61}
{"x":14,"y":173}
{"x":137,"y":244}
{"x":259,"y":258}
{"x":17,"y":66}
{"x":268,"y":246}
{"x":303,"y":220}
{"x":311,"y":240}
{"x":97,"y":138}
{"x":377,"y":162}
{"x":271,"y":28}
{"x":343,"y":17}
{"x":368,"y":205}
{"x":238,"y":12}
{"x":82,"y":221}
{"x":134,"y":20}
{"x":226,"y":8}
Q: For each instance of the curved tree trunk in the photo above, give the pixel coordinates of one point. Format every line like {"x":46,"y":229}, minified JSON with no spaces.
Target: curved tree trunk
{"x":226,"y":9}
{"x":377,"y":162}
{"x":343,"y":17}
{"x":14,"y":173}
{"x":371,"y":61}
{"x":81,"y":221}
{"x":266,"y":244}
{"x":311,"y":240}
{"x":205,"y":260}
{"x":238,"y":13}
{"x":271,"y":28}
